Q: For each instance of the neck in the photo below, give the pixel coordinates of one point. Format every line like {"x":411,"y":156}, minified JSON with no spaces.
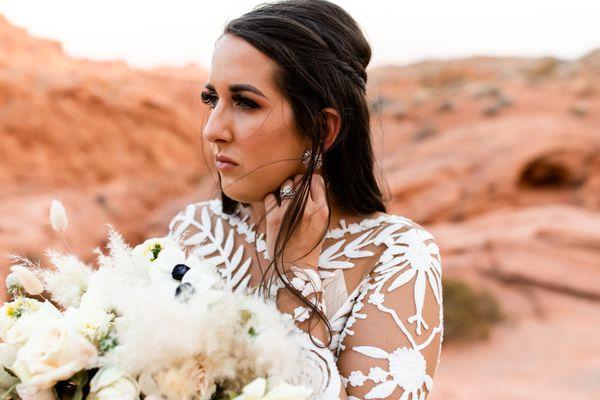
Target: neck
{"x":257,"y":212}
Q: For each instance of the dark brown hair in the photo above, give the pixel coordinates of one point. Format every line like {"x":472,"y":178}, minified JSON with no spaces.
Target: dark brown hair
{"x":321,"y":56}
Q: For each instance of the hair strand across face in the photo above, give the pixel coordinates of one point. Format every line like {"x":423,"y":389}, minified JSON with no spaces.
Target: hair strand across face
{"x":321,"y":56}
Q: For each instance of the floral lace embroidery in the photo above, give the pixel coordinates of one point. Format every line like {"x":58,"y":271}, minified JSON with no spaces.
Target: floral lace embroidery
{"x":409,"y":256}
{"x":365,"y":224}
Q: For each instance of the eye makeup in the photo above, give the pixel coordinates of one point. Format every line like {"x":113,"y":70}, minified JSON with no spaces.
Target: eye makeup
{"x":243,"y":102}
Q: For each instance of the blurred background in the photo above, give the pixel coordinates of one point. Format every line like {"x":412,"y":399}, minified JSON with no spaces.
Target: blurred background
{"x":486,"y":125}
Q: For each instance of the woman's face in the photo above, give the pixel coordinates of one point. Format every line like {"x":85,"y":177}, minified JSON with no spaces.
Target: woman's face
{"x":249,"y":123}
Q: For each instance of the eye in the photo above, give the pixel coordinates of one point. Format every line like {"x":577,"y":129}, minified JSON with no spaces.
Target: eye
{"x":208,"y":99}
{"x":244,"y":102}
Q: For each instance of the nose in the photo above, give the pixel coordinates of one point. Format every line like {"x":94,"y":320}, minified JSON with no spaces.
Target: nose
{"x":218,"y":127}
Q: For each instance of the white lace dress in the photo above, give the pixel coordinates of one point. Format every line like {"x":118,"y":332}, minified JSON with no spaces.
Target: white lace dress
{"x":381,"y":286}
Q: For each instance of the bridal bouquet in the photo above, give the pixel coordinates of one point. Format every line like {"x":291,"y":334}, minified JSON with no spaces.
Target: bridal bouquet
{"x":149,"y":322}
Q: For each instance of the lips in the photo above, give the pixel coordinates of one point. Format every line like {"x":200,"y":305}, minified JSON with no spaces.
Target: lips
{"x":225,"y":159}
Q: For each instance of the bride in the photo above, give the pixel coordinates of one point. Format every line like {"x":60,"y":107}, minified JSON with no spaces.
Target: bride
{"x":300,"y":217}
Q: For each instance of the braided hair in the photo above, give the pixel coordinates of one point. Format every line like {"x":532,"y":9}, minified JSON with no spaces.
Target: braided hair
{"x":321,"y":56}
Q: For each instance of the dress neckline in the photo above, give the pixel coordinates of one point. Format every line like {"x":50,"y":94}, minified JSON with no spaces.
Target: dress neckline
{"x":342,"y":228}
{"x":249,"y":232}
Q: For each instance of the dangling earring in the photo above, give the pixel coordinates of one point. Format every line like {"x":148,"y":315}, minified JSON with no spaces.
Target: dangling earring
{"x":306,"y":159}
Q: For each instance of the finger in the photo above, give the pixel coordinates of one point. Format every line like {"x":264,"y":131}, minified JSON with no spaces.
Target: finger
{"x":286,"y":200}
{"x":317,"y":189}
{"x":270,"y":201}
{"x":297,"y":180}
{"x":289,"y":181}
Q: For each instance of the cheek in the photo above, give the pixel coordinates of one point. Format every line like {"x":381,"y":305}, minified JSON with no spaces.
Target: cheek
{"x":267,"y":136}
{"x":269,"y":157}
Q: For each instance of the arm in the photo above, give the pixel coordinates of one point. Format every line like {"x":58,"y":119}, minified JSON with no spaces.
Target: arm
{"x":308,"y":282}
{"x":391,"y":344}
{"x":321,"y":368}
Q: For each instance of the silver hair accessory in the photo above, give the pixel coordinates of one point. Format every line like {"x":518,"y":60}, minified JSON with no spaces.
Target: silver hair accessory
{"x":306,"y":158}
{"x":286,"y":192}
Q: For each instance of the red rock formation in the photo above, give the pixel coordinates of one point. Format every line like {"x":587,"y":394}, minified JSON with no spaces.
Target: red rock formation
{"x":69,"y":122}
{"x":498,"y":157}
{"x":111,"y":142}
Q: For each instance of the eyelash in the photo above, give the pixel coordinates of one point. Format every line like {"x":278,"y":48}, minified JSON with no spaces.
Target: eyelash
{"x":210,"y":99}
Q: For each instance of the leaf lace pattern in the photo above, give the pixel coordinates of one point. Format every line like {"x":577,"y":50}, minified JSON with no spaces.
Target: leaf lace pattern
{"x":387,"y":332}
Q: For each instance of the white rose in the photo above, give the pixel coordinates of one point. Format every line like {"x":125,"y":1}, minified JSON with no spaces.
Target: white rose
{"x":92,"y":322}
{"x":53,"y":353}
{"x":285,"y":391}
{"x":256,"y":389}
{"x":6,"y":380}
{"x":8,"y":354}
{"x":15,"y":311}
{"x":27,"y":393}
{"x":110,"y":383}
{"x":181,"y":381}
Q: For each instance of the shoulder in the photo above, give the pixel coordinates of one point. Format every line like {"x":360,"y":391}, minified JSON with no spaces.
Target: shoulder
{"x":407,"y":273}
{"x":404,"y":245}
{"x":192,"y":214}
{"x":400,"y":230}
{"x":205,"y":221}
{"x":397,"y":316}
{"x":205,"y":216}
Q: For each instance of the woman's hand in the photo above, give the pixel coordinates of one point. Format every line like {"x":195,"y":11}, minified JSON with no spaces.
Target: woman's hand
{"x":305,"y":245}
{"x":302,"y":251}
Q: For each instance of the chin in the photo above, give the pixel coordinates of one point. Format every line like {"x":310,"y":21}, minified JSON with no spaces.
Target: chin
{"x":244,"y":194}
{"x":253,"y":190}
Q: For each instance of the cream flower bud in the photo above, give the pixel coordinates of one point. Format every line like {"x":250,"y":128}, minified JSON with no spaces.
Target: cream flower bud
{"x":27,"y":280}
{"x":11,"y":281}
{"x":58,"y":216}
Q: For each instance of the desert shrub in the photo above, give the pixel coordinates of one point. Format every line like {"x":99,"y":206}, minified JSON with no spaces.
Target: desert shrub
{"x":468,"y":314}
{"x":542,"y":68}
{"x":445,"y":76}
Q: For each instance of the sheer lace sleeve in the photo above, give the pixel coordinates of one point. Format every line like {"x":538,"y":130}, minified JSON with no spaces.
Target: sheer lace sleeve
{"x":318,"y":369}
{"x":391,"y":343}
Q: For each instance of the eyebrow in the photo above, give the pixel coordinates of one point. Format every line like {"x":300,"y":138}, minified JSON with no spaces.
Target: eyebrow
{"x":240,"y":87}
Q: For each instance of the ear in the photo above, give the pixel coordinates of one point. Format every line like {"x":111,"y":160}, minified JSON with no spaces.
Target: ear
{"x":334,"y":122}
